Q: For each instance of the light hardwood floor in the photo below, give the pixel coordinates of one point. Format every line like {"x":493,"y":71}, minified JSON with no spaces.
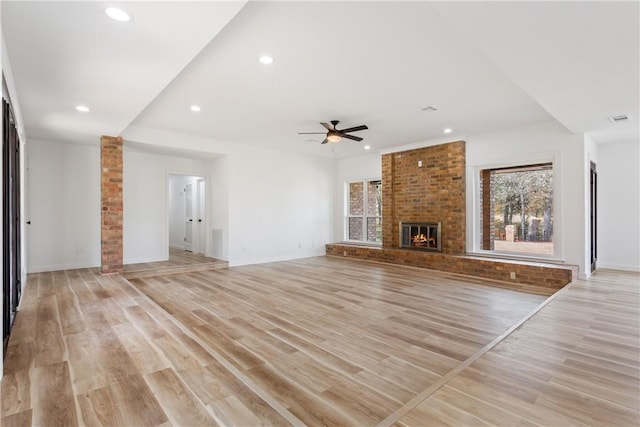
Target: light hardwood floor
{"x":320,"y":341}
{"x":576,"y":362}
{"x":180,"y":261}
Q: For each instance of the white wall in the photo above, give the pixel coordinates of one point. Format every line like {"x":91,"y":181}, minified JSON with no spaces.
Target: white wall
{"x":350,"y":169}
{"x":278,"y":205}
{"x":218,"y":209}
{"x":63,"y":190}
{"x":146,"y":202}
{"x":176,"y":211}
{"x":618,"y":169}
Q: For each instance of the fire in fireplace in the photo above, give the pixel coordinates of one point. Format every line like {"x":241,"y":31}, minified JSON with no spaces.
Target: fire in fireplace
{"x":420,"y":235}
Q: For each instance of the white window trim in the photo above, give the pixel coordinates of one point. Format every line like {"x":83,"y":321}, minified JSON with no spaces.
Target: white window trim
{"x":474,"y":241}
{"x":347,"y":215}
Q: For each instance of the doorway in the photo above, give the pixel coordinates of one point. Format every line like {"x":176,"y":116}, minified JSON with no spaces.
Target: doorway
{"x":11,"y":239}
{"x":593,"y":201}
{"x":187,"y":213}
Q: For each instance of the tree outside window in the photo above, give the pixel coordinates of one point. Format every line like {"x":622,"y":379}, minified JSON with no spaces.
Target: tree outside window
{"x":517,"y":209}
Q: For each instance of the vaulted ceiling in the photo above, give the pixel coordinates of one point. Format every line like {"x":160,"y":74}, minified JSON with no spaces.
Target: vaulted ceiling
{"x":483,"y":65}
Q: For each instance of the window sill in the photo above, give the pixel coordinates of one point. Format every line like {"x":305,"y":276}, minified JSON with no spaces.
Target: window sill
{"x":515,"y":257}
{"x":360,"y":243}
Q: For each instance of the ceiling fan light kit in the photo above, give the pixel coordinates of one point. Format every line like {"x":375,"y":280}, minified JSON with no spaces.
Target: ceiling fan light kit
{"x":334,"y":134}
{"x":333,"y":137}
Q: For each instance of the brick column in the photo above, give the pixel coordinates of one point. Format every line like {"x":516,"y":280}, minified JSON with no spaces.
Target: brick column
{"x":487,"y":224}
{"x":388,"y":218}
{"x":111,"y":195}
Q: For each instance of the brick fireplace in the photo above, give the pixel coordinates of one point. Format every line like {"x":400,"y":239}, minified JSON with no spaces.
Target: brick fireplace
{"x":427,"y":185}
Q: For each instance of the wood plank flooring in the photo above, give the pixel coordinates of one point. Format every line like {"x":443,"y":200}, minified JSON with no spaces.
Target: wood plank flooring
{"x":320,"y":341}
{"x":576,"y":362}
{"x":180,"y":261}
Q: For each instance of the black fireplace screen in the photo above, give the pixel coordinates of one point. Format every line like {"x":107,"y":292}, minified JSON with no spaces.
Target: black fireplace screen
{"x":424,"y":235}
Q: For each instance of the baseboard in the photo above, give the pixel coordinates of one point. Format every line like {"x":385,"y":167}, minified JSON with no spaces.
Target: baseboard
{"x":621,"y":267}
{"x":180,"y":247}
{"x":144,"y":260}
{"x":264,"y":260}
{"x":58,"y":267}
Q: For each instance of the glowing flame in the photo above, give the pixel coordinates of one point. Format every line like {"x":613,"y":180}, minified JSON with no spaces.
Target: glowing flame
{"x":421,"y":239}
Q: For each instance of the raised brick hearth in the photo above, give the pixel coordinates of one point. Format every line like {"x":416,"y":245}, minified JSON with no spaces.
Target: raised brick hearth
{"x":428,"y":184}
{"x":551,"y":276}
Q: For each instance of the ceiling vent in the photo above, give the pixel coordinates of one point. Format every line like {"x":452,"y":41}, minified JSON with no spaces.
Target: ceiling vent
{"x":619,"y":119}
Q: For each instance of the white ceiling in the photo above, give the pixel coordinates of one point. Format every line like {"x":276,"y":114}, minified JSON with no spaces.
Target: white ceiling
{"x":484,"y":65}
{"x":68,"y":53}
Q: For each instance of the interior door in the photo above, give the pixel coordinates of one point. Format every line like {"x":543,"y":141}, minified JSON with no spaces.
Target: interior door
{"x":201,"y":216}
{"x":188,"y":235}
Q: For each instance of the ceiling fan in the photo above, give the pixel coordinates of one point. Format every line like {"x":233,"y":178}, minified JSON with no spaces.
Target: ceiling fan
{"x":334,"y":134}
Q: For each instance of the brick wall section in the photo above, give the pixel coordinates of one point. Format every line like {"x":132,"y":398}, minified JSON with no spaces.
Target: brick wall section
{"x":531,"y":273}
{"x":433,"y":192}
{"x":487,"y":225}
{"x":111,"y":195}
{"x":388,"y":201}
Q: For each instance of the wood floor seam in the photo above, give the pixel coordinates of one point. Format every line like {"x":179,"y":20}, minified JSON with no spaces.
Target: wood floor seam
{"x":424,"y":395}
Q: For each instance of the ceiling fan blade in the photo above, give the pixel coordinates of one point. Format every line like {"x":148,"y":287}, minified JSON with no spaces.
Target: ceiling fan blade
{"x":354,"y":129}
{"x":355,"y":138}
{"x":325,"y":141}
{"x":311,"y":133}
{"x":327,"y":126}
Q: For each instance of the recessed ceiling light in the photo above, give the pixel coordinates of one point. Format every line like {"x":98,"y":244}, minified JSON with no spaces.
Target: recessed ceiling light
{"x":195,"y":108}
{"x":367,"y":147}
{"x":265,"y":59}
{"x":448,"y":130}
{"x":83,"y":108}
{"x":117,"y":14}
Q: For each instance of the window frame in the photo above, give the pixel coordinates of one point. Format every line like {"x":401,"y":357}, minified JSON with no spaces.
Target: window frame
{"x":474,"y":208}
{"x":365,"y":216}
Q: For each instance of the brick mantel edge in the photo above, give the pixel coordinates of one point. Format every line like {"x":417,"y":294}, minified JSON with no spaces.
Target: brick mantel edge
{"x":111,"y":231}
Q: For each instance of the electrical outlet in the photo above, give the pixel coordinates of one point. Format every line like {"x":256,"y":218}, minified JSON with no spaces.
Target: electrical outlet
{"x":513,"y":275}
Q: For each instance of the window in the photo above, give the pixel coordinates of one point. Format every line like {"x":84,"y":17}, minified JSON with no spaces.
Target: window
{"x":517,"y":209}
{"x":364,"y":211}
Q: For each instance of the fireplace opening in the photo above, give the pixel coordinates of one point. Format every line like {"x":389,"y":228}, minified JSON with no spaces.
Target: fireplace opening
{"x":420,"y":235}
